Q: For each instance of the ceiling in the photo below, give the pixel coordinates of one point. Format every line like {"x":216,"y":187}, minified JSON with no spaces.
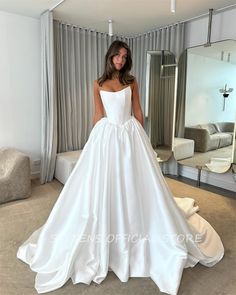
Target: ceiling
{"x":129,"y":17}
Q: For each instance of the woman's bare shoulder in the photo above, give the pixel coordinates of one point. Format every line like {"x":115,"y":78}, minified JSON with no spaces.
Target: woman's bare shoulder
{"x":95,"y":82}
{"x":96,"y":85}
{"x":134,"y":83}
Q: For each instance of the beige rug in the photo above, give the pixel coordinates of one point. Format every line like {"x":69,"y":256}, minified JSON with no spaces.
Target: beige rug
{"x":19,"y":219}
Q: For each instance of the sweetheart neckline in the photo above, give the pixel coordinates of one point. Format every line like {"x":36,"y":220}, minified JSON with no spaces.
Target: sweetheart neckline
{"x":115,"y":91}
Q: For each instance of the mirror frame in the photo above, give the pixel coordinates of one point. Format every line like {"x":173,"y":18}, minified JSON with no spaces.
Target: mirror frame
{"x":148,"y":58}
{"x":233,"y":156}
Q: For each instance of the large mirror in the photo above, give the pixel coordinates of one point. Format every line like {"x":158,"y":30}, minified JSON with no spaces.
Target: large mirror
{"x":160,"y":99}
{"x":206,"y":107}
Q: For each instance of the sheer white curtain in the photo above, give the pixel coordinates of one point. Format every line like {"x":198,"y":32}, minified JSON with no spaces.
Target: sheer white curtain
{"x":48,"y":95}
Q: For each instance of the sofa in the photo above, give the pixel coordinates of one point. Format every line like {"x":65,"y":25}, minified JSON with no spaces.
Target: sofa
{"x":15,"y":182}
{"x":210,"y":136}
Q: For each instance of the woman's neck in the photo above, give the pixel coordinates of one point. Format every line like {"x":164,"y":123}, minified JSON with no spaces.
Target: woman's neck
{"x":115,"y":75}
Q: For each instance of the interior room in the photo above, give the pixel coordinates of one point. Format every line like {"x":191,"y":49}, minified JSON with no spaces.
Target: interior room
{"x":184,"y":62}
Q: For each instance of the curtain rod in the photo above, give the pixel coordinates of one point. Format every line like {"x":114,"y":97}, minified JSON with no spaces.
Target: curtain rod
{"x":158,"y":28}
{"x":205,"y":14}
{"x":184,"y":21}
{"x":55,"y":5}
{"x":87,"y":28}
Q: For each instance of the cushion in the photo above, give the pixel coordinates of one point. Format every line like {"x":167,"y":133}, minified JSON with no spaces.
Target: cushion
{"x":210,"y":127}
{"x":225,"y":139}
{"x":214,"y":142}
{"x":224,"y":126}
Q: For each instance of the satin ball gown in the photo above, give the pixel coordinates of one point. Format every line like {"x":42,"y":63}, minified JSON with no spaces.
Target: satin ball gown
{"x":117,"y":213}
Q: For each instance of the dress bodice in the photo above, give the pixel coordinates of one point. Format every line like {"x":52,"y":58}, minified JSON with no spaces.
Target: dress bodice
{"x":117,"y":105}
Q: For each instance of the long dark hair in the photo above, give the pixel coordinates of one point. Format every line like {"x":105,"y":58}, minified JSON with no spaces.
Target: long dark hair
{"x":124,"y":76}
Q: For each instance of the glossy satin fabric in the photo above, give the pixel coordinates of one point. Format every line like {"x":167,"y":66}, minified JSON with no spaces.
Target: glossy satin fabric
{"x":117,"y":196}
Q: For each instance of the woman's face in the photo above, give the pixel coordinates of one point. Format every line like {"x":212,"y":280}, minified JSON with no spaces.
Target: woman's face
{"x":120,"y":58}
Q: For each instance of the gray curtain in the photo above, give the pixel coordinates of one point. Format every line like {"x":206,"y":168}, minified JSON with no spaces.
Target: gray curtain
{"x":181,"y":95}
{"x":79,"y":60}
{"x":48,"y":96}
{"x":170,"y":38}
{"x":161,"y":100}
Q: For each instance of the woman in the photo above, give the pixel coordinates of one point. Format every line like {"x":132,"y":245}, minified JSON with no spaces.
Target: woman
{"x":118,"y":64}
{"x":116,"y":211}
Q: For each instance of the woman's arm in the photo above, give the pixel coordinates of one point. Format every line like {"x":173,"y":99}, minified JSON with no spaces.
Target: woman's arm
{"x":137,"y":110}
{"x":99,"y":110}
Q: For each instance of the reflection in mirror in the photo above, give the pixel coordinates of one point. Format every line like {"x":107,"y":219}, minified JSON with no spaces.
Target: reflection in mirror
{"x":206,"y":107}
{"x":234,"y":146}
{"x":160,"y":98}
{"x":234,"y":154}
{"x":234,"y":171}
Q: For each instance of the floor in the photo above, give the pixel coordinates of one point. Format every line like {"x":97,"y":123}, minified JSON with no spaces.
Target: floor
{"x":20,"y":218}
{"x":205,"y":186}
{"x":200,"y":159}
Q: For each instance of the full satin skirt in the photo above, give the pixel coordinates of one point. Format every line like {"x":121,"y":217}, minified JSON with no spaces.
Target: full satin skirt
{"x":116,"y":212}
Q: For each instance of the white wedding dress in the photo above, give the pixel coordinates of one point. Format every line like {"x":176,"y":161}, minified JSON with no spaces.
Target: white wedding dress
{"x":116,"y":213}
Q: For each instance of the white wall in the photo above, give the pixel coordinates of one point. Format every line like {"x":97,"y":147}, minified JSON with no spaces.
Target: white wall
{"x":20,"y":107}
{"x":223,"y":27}
{"x":204,"y":103}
